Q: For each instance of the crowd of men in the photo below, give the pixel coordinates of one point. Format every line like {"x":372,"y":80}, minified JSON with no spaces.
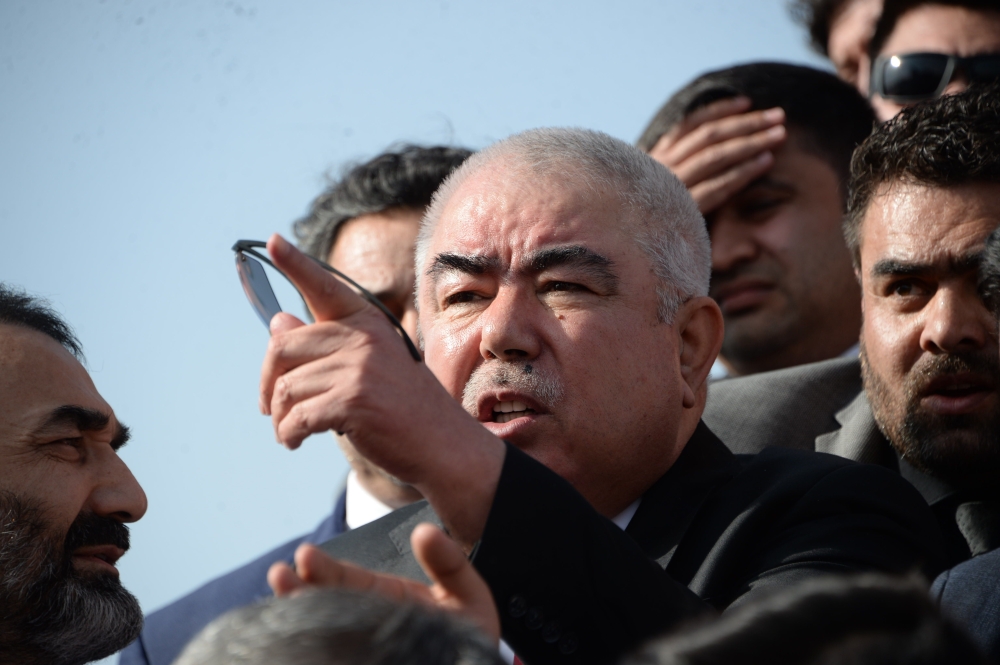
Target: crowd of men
{"x":728,"y":395}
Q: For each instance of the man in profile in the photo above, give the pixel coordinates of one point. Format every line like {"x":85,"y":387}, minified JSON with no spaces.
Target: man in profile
{"x":365,"y":225}
{"x":925,"y":195}
{"x":65,"y":498}
{"x":765,"y":149}
{"x":562,"y":280}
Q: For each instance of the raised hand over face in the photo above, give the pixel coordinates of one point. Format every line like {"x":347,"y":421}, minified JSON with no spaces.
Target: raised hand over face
{"x":350,"y":372}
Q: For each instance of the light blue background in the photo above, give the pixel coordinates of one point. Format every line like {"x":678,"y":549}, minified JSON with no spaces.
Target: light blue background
{"x":139,"y":139}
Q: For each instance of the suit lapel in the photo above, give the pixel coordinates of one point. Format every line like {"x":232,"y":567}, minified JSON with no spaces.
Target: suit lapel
{"x":859,"y":437}
{"x":671,"y":504}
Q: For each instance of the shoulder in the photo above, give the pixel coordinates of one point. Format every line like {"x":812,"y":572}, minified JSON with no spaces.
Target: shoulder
{"x":969,"y":594}
{"x":788,"y":407}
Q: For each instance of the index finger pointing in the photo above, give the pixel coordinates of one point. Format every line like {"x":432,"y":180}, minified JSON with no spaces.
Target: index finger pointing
{"x":327,"y":297}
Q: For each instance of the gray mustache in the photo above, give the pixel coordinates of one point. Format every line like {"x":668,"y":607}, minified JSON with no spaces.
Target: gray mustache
{"x":529,"y":380}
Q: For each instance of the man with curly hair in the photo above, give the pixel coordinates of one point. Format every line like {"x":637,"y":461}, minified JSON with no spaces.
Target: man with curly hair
{"x":925,"y":195}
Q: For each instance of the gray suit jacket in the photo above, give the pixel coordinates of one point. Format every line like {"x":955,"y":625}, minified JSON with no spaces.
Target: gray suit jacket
{"x":821,"y":406}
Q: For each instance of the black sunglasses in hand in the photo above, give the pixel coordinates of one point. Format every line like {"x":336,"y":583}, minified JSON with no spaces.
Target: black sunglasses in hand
{"x":262,"y":298}
{"x":913,"y":77}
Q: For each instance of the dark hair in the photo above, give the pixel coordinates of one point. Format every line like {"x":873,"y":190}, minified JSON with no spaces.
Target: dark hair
{"x":816,"y":16}
{"x":337,"y":627}
{"x":17,"y":308}
{"x":944,"y":142}
{"x":892,"y":10}
{"x":989,"y":273}
{"x":830,"y":114}
{"x":403,"y":178}
{"x":858,"y":620}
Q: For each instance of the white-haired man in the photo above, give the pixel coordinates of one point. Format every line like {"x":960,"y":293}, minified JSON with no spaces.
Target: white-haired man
{"x":562,"y":280}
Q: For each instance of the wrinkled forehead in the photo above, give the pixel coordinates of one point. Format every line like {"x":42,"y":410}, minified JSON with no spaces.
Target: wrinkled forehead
{"x":506,"y":212}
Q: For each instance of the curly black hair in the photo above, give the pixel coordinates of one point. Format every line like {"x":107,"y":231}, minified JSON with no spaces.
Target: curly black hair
{"x":406,"y":177}
{"x":831,"y":115}
{"x":815,"y":16}
{"x":17,"y":308}
{"x":944,"y":142}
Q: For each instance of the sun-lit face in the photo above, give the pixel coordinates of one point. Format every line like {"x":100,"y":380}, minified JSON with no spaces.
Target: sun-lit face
{"x":930,"y":345}
{"x":851,"y":29}
{"x":538,"y":305}
{"x":49,"y":451}
{"x":781,"y":271}
{"x":933,"y":28}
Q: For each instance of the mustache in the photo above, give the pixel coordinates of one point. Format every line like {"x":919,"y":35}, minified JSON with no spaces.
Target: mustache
{"x":761,"y":267}
{"x":541,"y":385}
{"x":91,"y":529}
{"x":980,"y":361}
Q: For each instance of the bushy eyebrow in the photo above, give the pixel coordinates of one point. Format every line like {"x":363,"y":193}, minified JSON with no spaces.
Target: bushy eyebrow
{"x":901,"y":268}
{"x":86,"y":420}
{"x":576,"y":256}
{"x":473,"y":264}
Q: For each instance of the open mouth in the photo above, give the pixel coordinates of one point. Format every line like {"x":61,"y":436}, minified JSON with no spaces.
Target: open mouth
{"x":957,"y":393}
{"x":504,"y":412}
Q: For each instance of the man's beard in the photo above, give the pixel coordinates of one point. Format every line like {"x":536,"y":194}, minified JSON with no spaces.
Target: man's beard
{"x":49,"y":611}
{"x":962,"y":450}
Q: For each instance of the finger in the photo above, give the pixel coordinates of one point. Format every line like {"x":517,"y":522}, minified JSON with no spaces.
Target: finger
{"x":283,"y":580}
{"x":327,"y":297}
{"x":718,"y":131}
{"x":304,"y":383}
{"x":714,"y":160}
{"x":293,"y":348}
{"x":284,"y":322}
{"x":456,"y":581}
{"x":712,"y":193}
{"x":316,"y":568}
{"x":320,"y":413}
{"x":708,"y":113}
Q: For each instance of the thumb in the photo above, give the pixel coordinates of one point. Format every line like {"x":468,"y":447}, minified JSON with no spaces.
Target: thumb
{"x":283,"y":322}
{"x":327,"y":297}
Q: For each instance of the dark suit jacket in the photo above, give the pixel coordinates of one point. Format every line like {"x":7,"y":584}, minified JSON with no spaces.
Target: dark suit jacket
{"x":970,"y":595}
{"x":822,"y":407}
{"x":716,"y":530}
{"x":168,"y":630}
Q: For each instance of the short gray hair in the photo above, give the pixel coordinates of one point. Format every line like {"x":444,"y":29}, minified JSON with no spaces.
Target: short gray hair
{"x":337,"y":627}
{"x":669,"y":227}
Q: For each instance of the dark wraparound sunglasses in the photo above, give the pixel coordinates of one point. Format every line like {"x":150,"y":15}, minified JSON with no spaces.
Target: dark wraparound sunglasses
{"x":262,"y":298}
{"x":913,"y":77}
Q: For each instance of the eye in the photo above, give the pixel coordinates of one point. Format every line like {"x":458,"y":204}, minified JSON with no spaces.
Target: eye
{"x":461,"y":297}
{"x":908,"y":288}
{"x":70,"y":448}
{"x":562,"y":286}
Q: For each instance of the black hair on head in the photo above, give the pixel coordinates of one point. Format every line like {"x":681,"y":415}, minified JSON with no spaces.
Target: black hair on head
{"x":405,"y":177}
{"x":944,"y":142}
{"x":17,"y":308}
{"x":816,"y":16}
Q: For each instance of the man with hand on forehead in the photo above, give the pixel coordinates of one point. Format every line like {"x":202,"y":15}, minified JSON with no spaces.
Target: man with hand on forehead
{"x":555,"y":427}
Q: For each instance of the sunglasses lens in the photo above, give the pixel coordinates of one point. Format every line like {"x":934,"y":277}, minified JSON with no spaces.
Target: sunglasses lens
{"x":984,"y":68}
{"x":257,"y":288}
{"x":913,"y":76}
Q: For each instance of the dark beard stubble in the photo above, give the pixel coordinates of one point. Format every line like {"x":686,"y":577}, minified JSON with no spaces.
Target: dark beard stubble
{"x":961,"y":450}
{"x":50,"y":612}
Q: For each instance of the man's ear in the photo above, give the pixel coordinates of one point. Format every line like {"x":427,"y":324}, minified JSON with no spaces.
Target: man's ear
{"x":699,"y":327}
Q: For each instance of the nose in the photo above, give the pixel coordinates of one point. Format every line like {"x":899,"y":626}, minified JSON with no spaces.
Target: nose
{"x":508,"y":332}
{"x":732,"y":242}
{"x":956,"y":321}
{"x":117,"y":493}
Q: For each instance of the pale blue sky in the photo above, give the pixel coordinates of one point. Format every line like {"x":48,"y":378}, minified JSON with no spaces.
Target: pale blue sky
{"x":139,"y":139}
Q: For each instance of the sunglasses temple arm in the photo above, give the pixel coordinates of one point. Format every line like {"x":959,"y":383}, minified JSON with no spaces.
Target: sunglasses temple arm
{"x":362,"y":290}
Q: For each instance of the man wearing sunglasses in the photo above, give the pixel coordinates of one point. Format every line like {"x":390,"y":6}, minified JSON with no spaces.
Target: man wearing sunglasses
{"x":365,"y":224}
{"x":922,"y":49}
{"x":562,"y":280}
